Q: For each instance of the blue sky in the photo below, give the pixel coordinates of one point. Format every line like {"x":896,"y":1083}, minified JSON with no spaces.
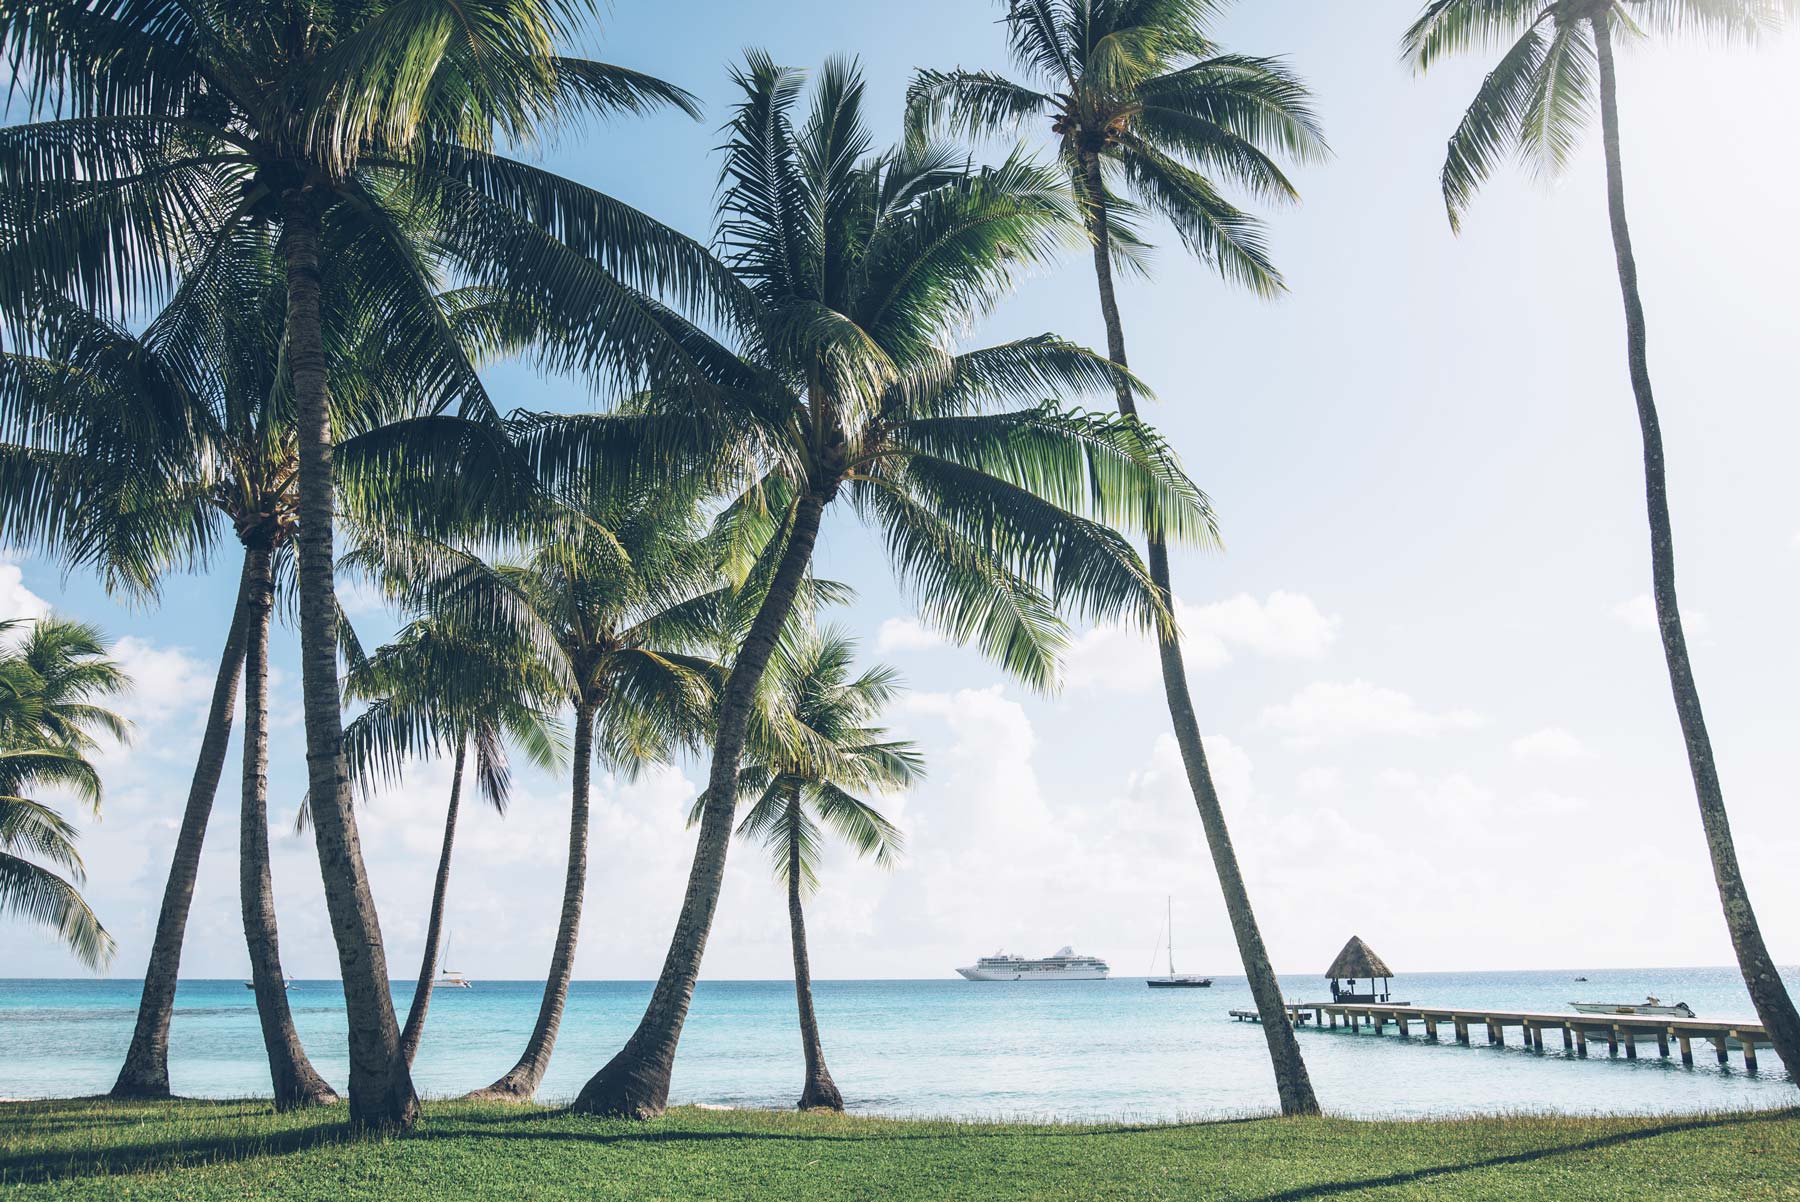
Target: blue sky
{"x":1437,"y":711}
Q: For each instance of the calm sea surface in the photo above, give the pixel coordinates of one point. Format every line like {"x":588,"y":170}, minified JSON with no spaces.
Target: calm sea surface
{"x":1101,"y":1049}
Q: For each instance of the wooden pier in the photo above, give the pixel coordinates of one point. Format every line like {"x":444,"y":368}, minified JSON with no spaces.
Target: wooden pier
{"x":1618,"y":1030}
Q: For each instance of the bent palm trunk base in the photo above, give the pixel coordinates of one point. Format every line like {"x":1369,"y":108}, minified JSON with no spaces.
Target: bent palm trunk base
{"x":522,"y":1080}
{"x":145,"y":1073}
{"x":414,"y":1030}
{"x":1293,"y":1084}
{"x":635,"y":1082}
{"x":295,"y":1082}
{"x":1774,"y":1006}
{"x":820,"y":1091}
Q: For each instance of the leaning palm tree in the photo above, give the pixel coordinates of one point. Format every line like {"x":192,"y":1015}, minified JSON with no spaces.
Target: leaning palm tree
{"x":52,"y":682}
{"x":179,"y":127}
{"x":821,"y":751}
{"x":618,"y":598}
{"x":1150,"y":115}
{"x":436,"y":687}
{"x":200,"y":394}
{"x":1535,"y":103}
{"x":862,"y":268}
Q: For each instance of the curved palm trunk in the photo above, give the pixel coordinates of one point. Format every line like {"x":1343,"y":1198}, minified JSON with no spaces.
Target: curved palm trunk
{"x":145,"y":1073}
{"x":635,"y":1082}
{"x":381,"y":1089}
{"x":296,"y":1083}
{"x":1292,"y":1082}
{"x":1773,"y":1005}
{"x":414,"y":1030}
{"x":820,"y":1091}
{"x":523,"y":1079}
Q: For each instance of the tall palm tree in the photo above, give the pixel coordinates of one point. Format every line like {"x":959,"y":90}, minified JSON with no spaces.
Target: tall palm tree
{"x":862,"y":268}
{"x":52,"y":682}
{"x":802,"y":782}
{"x":437,"y":687}
{"x":187,"y":124}
{"x":1150,"y":115}
{"x":88,"y":407}
{"x":618,"y":597}
{"x":1535,"y":103}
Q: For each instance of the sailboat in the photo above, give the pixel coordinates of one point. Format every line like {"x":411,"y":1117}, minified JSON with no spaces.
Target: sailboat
{"x":1174,"y":980}
{"x":449,"y":978}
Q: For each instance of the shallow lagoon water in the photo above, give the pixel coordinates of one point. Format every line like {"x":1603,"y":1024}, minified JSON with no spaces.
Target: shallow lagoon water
{"x":1068,"y":1050}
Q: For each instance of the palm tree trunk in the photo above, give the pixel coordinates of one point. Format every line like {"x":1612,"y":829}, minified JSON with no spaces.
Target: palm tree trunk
{"x":145,"y":1073}
{"x":414,"y":1030}
{"x":296,"y":1083}
{"x":1292,"y":1082}
{"x":635,"y":1082}
{"x":381,"y":1089}
{"x":523,"y":1079}
{"x":1773,"y":1005}
{"x":820,"y":1092}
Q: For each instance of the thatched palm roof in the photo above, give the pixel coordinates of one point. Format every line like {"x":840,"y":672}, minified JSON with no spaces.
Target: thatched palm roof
{"x":1357,"y":960}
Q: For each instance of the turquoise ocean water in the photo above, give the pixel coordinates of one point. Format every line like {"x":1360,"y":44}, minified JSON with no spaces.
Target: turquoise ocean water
{"x":1075,"y":1050}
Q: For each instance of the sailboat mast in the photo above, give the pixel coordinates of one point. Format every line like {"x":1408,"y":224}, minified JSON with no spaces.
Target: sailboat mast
{"x":1171,"y":900}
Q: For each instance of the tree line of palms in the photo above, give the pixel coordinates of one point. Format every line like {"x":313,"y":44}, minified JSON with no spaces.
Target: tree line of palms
{"x":318,"y":203}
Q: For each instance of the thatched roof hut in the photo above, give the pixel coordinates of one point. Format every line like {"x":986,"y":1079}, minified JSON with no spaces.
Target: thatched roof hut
{"x":1357,"y":960}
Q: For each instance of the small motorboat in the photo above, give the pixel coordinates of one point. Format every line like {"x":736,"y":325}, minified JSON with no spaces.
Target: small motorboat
{"x":1583,"y":979}
{"x":287,"y":984}
{"x":1650,"y":1007}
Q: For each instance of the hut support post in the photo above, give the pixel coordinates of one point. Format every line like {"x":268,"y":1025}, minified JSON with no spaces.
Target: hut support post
{"x":1719,"y":1046}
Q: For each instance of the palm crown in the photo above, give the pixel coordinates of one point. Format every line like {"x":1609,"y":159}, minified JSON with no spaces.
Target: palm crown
{"x":818,"y":748}
{"x":1539,"y":97}
{"x":862,"y":267}
{"x":51,"y":680}
{"x":1137,"y":91}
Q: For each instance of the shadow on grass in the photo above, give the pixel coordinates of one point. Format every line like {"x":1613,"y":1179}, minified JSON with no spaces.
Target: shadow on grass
{"x":330,"y":1130}
{"x":1331,"y":1189}
{"x":123,"y":1158}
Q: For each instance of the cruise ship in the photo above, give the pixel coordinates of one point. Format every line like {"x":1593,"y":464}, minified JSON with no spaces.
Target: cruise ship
{"x":1065,"y":965}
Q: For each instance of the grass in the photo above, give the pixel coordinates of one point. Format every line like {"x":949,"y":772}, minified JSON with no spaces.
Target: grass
{"x":202,"y":1151}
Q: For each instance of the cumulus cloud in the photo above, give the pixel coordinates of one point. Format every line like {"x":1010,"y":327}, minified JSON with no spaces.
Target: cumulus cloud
{"x":1550,"y":743}
{"x":1285,"y":625}
{"x":17,"y":601}
{"x":166,"y":681}
{"x":1639,"y":614}
{"x":905,"y":634}
{"x":1336,"y":711}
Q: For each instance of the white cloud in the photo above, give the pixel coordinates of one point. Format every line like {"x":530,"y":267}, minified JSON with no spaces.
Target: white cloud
{"x":17,"y":601}
{"x":905,"y":634}
{"x":1335,"y":711}
{"x":1550,"y":743}
{"x":1639,"y":613}
{"x":166,"y":681}
{"x":1285,"y":626}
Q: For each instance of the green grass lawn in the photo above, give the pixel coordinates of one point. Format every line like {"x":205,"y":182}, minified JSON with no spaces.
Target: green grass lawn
{"x":215,"y":1150}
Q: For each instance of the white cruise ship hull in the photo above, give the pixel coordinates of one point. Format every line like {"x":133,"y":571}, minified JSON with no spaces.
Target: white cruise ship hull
{"x":1033,"y":974}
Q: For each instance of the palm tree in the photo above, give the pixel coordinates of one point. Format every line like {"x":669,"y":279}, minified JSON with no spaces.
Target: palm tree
{"x":862,"y":267}
{"x":1138,"y":94}
{"x":181,"y":127}
{"x":51,"y":683}
{"x":617,"y":597}
{"x":438,"y":686}
{"x":89,"y":407}
{"x":1536,"y":103}
{"x":802,"y":782}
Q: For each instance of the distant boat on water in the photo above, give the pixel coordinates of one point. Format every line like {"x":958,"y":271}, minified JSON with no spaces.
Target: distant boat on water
{"x":287,"y":984}
{"x":449,"y":978}
{"x":1649,"y":1006}
{"x":1175,"y":980}
{"x":1065,"y":965}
